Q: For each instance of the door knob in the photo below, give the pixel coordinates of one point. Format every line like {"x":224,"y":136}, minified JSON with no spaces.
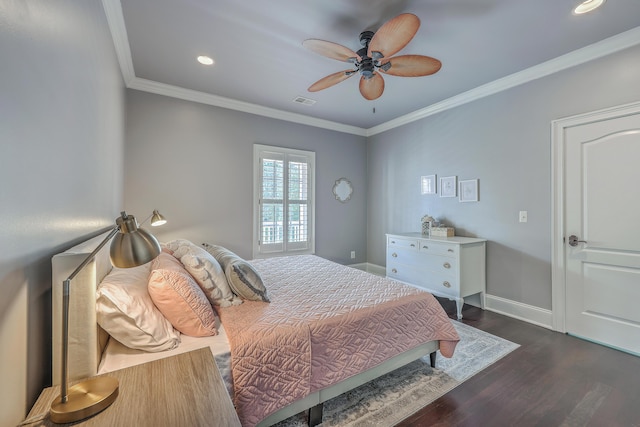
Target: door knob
{"x":573,"y":240}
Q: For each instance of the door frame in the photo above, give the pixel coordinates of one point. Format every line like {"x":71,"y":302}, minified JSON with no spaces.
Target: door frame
{"x":558,"y":247}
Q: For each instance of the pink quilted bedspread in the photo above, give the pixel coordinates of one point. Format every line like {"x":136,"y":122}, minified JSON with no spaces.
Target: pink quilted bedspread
{"x":325,"y":323}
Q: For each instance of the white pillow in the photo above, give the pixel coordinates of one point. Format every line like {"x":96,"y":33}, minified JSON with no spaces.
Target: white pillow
{"x":208,"y":274}
{"x":174,"y":245}
{"x":125,"y":310}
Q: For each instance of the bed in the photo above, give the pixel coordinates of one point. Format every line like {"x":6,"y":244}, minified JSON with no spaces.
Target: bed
{"x":326,"y":329}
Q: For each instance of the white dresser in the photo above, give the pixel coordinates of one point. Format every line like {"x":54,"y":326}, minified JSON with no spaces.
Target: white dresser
{"x":451,"y":267}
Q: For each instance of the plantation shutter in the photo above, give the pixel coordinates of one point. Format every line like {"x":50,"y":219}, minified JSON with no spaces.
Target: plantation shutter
{"x":297,"y":205}
{"x":285,"y":201}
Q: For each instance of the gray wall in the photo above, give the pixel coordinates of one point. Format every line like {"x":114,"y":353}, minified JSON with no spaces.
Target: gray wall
{"x":194,"y":163}
{"x":504,"y":141}
{"x":61,"y":145}
{"x":61,"y":170}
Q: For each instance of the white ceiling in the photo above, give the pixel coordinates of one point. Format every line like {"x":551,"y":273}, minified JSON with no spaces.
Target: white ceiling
{"x":261,"y":65}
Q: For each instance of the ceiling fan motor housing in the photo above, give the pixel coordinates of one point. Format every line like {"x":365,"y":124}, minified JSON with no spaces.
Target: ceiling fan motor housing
{"x":365,"y":38}
{"x":366,"y":66}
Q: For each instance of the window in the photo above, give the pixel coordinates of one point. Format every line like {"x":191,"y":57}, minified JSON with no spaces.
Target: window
{"x":283,"y":201}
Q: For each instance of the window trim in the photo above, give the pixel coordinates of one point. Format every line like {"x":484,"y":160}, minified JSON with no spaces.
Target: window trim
{"x":258,"y":150}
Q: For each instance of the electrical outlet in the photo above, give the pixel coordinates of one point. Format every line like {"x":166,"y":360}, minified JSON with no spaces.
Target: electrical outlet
{"x":353,"y":254}
{"x":523,"y":216}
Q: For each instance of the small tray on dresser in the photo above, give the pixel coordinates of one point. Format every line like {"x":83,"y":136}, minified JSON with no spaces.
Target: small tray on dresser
{"x":443,"y":231}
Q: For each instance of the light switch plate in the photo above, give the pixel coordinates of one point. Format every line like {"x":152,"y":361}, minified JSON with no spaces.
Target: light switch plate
{"x":523,"y":216}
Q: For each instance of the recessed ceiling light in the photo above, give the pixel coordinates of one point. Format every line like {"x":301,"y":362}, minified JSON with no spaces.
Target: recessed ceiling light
{"x":587,"y":6}
{"x":205,"y":60}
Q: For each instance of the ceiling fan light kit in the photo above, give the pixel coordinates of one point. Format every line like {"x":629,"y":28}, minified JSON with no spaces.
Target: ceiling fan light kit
{"x":376,"y":57}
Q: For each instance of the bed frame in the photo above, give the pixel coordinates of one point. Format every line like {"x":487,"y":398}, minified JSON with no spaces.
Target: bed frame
{"x":87,"y":340}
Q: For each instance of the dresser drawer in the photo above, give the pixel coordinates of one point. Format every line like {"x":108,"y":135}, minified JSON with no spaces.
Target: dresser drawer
{"x":442,"y":285}
{"x":396,"y":242}
{"x":402,"y":272}
{"x":433,"y":263}
{"x":437,"y":283}
{"x":438,"y":248}
{"x":432,"y":270}
{"x":403,"y":255}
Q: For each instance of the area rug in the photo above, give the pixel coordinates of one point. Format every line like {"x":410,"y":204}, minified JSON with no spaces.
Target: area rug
{"x":393,"y":397}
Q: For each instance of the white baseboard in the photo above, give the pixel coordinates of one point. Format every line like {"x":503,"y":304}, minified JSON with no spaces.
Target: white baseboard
{"x":528,"y":313}
{"x":517,"y":310}
{"x":370,"y":268}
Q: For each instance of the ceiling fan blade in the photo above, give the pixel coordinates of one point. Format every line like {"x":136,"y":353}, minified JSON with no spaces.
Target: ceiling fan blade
{"x":394,"y":35}
{"x":330,"y":80}
{"x":330,"y":49}
{"x":372,"y":88}
{"x":411,"y":66}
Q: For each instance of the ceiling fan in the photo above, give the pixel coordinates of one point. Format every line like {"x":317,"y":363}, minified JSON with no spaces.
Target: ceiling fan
{"x":376,"y":57}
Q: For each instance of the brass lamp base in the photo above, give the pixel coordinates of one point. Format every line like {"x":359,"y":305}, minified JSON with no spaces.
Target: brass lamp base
{"x":84,"y":400}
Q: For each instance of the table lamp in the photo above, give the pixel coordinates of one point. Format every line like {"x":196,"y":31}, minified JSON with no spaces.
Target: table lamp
{"x":133,"y":246}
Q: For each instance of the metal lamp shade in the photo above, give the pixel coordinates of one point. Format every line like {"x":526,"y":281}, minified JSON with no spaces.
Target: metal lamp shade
{"x":157,"y":219}
{"x":133,"y":246}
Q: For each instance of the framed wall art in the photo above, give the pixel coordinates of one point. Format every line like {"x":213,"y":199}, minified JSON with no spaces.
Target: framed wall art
{"x":428,"y":184}
{"x":448,"y":186}
{"x":469,"y":190}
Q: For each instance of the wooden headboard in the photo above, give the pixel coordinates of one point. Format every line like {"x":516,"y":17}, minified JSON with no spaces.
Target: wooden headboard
{"x":86,"y":339}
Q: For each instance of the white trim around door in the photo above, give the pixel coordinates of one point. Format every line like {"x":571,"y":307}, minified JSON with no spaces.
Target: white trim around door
{"x":559,"y":127}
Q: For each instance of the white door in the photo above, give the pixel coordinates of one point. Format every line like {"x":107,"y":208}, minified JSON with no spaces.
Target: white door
{"x":602,"y":211}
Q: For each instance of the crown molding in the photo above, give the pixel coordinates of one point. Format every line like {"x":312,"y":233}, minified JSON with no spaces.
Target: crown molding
{"x":232,"y":104}
{"x":115,"y":20}
{"x":597,"y":50}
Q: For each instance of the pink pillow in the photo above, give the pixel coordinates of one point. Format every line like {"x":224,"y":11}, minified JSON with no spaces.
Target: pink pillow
{"x":179,"y":298}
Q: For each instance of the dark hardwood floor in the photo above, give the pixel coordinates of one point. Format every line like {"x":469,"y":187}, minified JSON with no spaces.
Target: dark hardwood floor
{"x":552,"y":379}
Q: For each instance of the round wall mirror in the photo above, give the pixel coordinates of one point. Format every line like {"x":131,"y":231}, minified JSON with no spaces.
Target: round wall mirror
{"x":342,"y":189}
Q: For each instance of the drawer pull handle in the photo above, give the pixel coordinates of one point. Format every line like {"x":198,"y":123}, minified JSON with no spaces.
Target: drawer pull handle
{"x":393,"y":270}
{"x":446,"y":265}
{"x":449,"y":250}
{"x":413,"y":245}
{"x":446,"y":284}
{"x":393,"y":241}
{"x":395,"y":255}
{"x":425,"y":247}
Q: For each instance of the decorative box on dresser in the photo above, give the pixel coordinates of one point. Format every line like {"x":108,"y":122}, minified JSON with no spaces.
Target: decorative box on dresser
{"x":451,"y":267}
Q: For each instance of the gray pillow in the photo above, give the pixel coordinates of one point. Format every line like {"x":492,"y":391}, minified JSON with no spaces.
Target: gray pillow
{"x":243,"y":279}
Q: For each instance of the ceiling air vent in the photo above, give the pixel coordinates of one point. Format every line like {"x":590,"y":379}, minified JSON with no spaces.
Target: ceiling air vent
{"x":304,"y":101}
